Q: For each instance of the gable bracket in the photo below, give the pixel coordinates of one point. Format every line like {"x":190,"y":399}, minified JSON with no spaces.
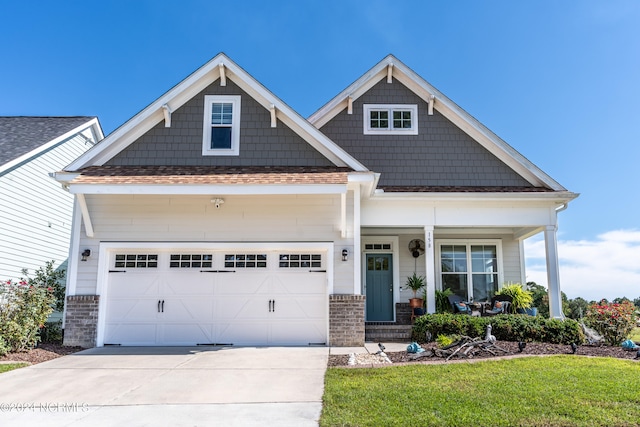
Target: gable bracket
{"x":390,"y":73}
{"x":272,"y":110}
{"x":350,"y":105}
{"x":88,"y":226}
{"x":432,"y":100}
{"x":167,"y":115}
{"x":223,"y":76}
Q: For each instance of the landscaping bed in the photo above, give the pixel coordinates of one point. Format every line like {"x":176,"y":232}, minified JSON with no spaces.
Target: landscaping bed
{"x":41,"y":353}
{"x":532,"y":348}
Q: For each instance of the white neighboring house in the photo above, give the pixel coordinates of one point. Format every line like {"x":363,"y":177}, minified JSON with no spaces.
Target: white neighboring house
{"x":35,"y":212}
{"x":219,"y":215}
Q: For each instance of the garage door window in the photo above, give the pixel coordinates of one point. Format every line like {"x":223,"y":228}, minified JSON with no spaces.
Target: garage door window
{"x":300,"y":260}
{"x":245,"y":261}
{"x":191,"y":260}
{"x":136,"y":261}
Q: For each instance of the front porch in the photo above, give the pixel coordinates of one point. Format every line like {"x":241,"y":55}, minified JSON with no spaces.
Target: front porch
{"x":473,"y":262}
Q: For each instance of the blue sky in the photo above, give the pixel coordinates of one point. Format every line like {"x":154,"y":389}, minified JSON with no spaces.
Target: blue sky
{"x":558,"y":80}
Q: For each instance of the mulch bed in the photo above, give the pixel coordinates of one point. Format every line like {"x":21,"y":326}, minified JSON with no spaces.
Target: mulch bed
{"x":41,"y":353}
{"x":511,"y":347}
{"x":45,"y":352}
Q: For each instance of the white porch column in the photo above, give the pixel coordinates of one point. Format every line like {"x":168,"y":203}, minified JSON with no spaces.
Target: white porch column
{"x":553,"y":272}
{"x":429,"y":255}
{"x":357,"y":247}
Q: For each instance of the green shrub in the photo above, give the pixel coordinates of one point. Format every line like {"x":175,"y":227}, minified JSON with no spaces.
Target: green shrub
{"x":23,"y":311}
{"x":444,"y":340}
{"x":506,"y":327}
{"x":51,"y":332}
{"x":613,"y":321}
{"x":48,"y":277}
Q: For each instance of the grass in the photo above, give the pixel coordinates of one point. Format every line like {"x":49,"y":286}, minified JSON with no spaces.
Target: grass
{"x":6,"y":367}
{"x":533,"y":391}
{"x":635,"y":335}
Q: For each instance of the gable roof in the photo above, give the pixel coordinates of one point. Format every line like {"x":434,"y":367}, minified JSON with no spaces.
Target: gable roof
{"x":220,"y":67}
{"x":20,"y":135}
{"x":391,"y":67}
{"x":23,"y":138}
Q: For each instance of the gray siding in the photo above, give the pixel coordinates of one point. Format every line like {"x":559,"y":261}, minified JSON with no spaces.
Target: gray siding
{"x":440,"y":155}
{"x":181,"y":144}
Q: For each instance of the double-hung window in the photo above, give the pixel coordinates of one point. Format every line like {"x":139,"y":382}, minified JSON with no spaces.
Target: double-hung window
{"x":388,"y":119}
{"x":221,"y":131}
{"x":470,"y":268}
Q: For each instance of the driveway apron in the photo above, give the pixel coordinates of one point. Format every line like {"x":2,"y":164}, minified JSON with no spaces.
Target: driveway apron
{"x":157,"y":386}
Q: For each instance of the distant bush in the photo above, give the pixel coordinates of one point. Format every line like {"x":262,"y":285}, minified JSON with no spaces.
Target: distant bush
{"x":614,"y":321}
{"x":506,"y":327}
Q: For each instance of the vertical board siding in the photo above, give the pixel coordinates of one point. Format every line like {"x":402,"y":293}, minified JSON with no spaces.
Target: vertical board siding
{"x":184,"y":219}
{"x":35,"y":212}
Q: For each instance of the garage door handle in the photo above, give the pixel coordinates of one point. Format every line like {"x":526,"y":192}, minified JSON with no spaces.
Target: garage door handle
{"x":158,"y":306}
{"x":270,"y":302}
{"x":163,"y":306}
{"x":274,"y":305}
{"x":317,"y":271}
{"x":217,"y":271}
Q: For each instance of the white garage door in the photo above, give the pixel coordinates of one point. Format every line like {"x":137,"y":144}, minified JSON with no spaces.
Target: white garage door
{"x":191,"y":297}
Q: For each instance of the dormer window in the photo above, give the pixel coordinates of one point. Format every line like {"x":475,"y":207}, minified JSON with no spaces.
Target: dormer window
{"x":385,"y":119}
{"x":221,"y":131}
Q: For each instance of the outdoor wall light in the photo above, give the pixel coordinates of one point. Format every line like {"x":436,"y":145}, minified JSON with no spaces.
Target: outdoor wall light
{"x":217,"y":202}
{"x":86,"y":254}
{"x":345,"y":254}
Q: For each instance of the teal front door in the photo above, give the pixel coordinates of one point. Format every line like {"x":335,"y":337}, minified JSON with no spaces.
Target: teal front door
{"x":379,"y":282}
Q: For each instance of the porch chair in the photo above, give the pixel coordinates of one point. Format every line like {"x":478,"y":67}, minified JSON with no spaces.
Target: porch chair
{"x":459,"y":305}
{"x":500,"y":304}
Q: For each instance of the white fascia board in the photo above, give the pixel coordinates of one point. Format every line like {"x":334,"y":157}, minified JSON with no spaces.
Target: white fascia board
{"x":94,"y":124}
{"x":557,"y":197}
{"x":366,"y":180}
{"x":355,"y":90}
{"x":208,"y":189}
{"x":64,"y":178}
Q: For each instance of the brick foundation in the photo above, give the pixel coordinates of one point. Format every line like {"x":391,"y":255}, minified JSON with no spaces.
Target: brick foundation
{"x":81,"y":320}
{"x":346,"y":320}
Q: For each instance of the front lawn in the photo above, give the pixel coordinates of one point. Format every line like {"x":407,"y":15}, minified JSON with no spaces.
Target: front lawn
{"x":6,"y":367}
{"x":532,"y":391}
{"x":635,"y":335}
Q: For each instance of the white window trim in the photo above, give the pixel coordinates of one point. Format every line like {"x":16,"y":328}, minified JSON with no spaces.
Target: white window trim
{"x":209,"y":100}
{"x":468,"y":242}
{"x":368,"y":130}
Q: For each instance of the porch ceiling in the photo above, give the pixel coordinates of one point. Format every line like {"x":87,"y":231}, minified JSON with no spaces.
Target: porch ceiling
{"x":516,"y":232}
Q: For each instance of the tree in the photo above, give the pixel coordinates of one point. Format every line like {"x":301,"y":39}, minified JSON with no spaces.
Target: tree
{"x":541,"y":299}
{"x":577,"y":308}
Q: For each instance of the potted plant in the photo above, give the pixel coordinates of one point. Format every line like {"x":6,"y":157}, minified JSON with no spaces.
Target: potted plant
{"x":415,"y":283}
{"x":521,"y":299}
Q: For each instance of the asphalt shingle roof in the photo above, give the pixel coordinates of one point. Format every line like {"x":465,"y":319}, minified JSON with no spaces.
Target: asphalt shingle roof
{"x":212,"y":175}
{"x":21,"y":134}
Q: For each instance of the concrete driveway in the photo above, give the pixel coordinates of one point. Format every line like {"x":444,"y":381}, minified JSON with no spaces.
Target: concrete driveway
{"x":162,"y":386}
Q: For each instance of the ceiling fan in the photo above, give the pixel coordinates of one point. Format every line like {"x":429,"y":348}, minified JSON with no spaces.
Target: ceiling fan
{"x":416,"y":247}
